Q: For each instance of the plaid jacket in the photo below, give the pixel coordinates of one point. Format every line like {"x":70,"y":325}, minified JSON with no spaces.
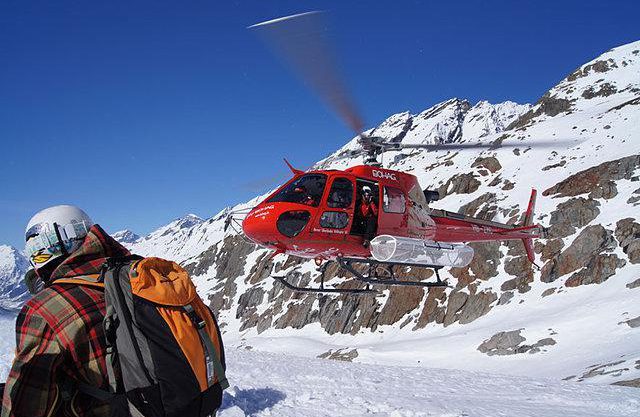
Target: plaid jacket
{"x":59,"y":338}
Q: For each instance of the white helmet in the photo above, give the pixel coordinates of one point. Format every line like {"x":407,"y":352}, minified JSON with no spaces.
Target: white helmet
{"x":54,"y":232}
{"x":366,"y":189}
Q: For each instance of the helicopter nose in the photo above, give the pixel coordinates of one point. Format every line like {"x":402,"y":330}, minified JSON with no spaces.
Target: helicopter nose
{"x":271,"y":225}
{"x":259,"y":226}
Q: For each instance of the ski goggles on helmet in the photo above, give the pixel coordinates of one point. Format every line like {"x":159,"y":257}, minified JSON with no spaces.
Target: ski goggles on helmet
{"x":46,"y":241}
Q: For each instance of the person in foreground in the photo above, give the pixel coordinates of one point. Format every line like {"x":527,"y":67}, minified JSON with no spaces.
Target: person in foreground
{"x":107,"y":332}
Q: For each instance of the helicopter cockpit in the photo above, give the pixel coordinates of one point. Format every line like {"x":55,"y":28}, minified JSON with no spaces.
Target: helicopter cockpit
{"x":306,"y":190}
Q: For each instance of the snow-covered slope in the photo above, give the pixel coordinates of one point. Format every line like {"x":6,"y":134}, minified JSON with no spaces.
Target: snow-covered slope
{"x":13,"y":266}
{"x":277,"y":385}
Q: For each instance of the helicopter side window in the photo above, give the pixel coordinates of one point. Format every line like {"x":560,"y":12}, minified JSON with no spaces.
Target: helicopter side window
{"x":393,"y":200}
{"x":341,"y":194}
{"x":334,"y":219}
{"x":306,"y":190}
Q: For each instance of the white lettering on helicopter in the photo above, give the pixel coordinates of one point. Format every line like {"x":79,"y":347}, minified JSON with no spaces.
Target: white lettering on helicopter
{"x":385,"y":175}
{"x":262,"y":212}
{"x":481,"y":229}
{"x":331,"y":231}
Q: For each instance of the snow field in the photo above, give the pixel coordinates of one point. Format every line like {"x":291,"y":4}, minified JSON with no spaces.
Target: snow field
{"x":264,"y":384}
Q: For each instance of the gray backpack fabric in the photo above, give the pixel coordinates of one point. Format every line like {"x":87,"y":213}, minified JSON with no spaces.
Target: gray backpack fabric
{"x":165,"y":356}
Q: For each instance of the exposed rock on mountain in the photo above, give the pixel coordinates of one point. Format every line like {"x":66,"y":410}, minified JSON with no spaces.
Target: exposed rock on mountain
{"x":13,"y":290}
{"x":126,"y":237}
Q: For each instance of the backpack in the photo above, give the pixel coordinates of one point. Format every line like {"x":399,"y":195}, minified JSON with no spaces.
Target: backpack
{"x":165,"y":356}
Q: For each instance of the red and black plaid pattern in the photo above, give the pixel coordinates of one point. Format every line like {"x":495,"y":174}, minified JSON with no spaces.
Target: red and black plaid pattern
{"x":59,"y":337}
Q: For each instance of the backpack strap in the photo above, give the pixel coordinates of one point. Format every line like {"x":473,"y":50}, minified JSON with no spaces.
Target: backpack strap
{"x":211,"y":357}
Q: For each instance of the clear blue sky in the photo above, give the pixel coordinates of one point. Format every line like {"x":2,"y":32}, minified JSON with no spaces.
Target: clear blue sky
{"x":141,"y":112}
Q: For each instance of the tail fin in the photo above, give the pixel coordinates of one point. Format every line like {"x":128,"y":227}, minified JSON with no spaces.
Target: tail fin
{"x":528,"y":221}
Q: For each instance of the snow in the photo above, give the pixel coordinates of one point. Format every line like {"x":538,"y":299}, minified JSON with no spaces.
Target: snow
{"x":13,"y":266}
{"x":125,"y":236}
{"x":278,"y":385}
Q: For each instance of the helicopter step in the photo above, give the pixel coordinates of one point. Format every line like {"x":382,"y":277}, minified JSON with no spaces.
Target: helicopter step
{"x":370,"y":277}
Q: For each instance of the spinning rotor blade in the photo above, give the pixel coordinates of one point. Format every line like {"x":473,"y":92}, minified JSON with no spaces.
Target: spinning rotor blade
{"x":301,"y":40}
{"x":478,"y":145}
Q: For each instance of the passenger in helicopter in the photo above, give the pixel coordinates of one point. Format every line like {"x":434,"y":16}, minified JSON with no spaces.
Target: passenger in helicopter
{"x":306,"y":197}
{"x":369,"y":212}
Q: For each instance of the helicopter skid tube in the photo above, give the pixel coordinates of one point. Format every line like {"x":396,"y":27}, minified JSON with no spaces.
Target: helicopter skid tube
{"x":321,"y":290}
{"x":347,"y":264}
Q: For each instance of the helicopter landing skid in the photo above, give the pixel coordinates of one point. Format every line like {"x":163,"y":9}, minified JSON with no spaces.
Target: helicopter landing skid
{"x":389,"y":279}
{"x":370,"y":278}
{"x":322,"y":289}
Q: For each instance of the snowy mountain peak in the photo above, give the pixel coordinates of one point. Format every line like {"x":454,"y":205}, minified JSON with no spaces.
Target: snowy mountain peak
{"x":453,"y":120}
{"x":189,"y":220}
{"x":613,"y":77}
{"x":13,"y":266}
{"x":126,"y":236}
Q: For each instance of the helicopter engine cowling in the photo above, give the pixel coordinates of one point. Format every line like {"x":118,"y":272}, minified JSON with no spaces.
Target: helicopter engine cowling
{"x":406,"y":250}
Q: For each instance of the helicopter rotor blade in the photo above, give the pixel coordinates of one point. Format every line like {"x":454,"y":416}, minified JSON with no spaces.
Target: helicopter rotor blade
{"x":477,"y":145}
{"x":301,"y":39}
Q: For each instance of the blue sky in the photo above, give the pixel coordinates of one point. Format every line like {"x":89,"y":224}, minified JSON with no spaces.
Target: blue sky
{"x":140,"y":112}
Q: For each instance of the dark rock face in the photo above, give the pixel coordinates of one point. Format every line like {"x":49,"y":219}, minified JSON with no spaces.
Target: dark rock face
{"x":598,"y":270}
{"x":572,"y":214}
{"x":598,"y":66}
{"x":634,"y":383}
{"x":592,"y":241}
{"x":634,"y":284}
{"x":490,"y":163}
{"x":598,"y":179}
{"x":503,"y":343}
{"x":459,"y":184}
{"x":402,"y":300}
{"x":628,"y":235}
{"x":605,"y":90}
{"x":434,"y":308}
{"x":476,"y":306}
{"x":483,"y":266}
{"x":509,"y":343}
{"x":484,"y":207}
{"x":548,"y":104}
{"x":340,"y":355}
{"x":229,"y":259}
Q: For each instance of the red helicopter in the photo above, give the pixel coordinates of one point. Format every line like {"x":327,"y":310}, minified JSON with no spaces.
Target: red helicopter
{"x":365,"y":215}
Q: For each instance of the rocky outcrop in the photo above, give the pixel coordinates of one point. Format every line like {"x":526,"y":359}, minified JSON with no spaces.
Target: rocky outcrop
{"x":340,"y":355}
{"x":459,"y":184}
{"x":510,"y":343}
{"x":599,"y":66}
{"x":547,"y":105}
{"x":571,"y":214}
{"x":484,"y":207}
{"x":604,"y":90}
{"x":628,"y":235}
{"x":584,"y":251}
{"x":597,"y":181}
{"x":598,"y":270}
{"x":490,"y":163}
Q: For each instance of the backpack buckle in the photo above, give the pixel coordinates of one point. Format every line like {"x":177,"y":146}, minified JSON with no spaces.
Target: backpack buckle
{"x":195,"y":319}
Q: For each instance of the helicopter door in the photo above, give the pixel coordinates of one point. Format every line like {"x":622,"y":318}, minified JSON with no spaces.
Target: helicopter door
{"x":359,"y":227}
{"x":394,"y":210}
{"x":337,"y":210}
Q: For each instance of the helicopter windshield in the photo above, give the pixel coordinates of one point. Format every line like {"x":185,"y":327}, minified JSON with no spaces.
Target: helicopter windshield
{"x":306,"y":190}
